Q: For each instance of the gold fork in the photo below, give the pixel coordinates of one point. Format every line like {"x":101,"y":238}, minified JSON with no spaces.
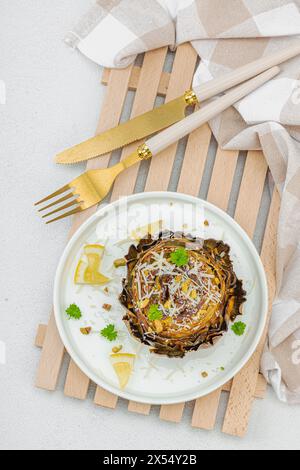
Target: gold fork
{"x":88,"y":189}
{"x":92,"y":186}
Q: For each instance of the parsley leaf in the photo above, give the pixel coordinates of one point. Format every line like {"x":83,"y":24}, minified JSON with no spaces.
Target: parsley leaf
{"x":179,"y":257}
{"x":73,"y":311}
{"x":239,"y":328}
{"x":154,"y":313}
{"x":109,"y":332}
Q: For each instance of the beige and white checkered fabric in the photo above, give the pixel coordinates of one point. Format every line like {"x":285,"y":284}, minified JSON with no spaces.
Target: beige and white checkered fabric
{"x":227,"y":34}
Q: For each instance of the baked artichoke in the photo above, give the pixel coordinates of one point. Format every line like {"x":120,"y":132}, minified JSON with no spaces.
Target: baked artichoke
{"x":180,"y":292}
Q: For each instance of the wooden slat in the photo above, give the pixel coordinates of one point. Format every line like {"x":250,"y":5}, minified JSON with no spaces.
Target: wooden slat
{"x":135,"y":77}
{"x":144,"y":101}
{"x":268,"y":252}
{"x":181,"y":78}
{"x":172,"y":413}
{"x":222,"y":178}
{"x":105,"y":398}
{"x":77,"y":383}
{"x":260,"y":391}
{"x":261,"y":387}
{"x":51,"y":358}
{"x":206,"y":408}
{"x":194,"y":161}
{"x":251,"y":191}
{"x":40,"y":336}
{"x":243,"y":386}
{"x":140,"y":408}
{"x":205,"y":411}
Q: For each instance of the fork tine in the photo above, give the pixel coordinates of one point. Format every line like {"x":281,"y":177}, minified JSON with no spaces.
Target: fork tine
{"x":56,"y":193}
{"x":66,"y":206}
{"x":74,"y":211}
{"x":58,"y":201}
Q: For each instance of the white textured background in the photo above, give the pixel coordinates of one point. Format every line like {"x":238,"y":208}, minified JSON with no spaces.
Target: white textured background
{"x":53,"y":101}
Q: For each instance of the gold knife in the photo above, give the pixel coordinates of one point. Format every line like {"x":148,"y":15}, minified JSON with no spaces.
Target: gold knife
{"x":171,"y":112}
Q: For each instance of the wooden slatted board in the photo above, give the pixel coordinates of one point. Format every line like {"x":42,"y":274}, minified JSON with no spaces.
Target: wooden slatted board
{"x":147,"y":82}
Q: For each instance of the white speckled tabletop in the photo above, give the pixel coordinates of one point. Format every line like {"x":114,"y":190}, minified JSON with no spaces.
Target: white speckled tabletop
{"x":53,"y":97}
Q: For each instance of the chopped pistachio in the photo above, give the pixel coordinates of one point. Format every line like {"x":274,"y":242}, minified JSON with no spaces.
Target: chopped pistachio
{"x":120,"y":262}
{"x":107,"y":307}
{"x":158,"y":326}
{"x":86,"y":330}
{"x":204,"y":375}
{"x":143,"y":303}
{"x":194,"y":294}
{"x":206,"y":223}
{"x":185,"y":286}
{"x":117,"y":349}
{"x":210,"y":310}
{"x":201,"y":313}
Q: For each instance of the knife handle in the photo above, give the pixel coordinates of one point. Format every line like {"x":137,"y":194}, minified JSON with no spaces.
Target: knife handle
{"x":233,"y":78}
{"x":182,"y":128}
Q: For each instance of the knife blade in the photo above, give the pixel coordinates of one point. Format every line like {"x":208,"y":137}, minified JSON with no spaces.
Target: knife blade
{"x":126,"y":133}
{"x":171,"y":112}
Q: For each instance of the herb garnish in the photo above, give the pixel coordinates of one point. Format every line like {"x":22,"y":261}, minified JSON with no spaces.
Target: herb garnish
{"x":109,"y":332}
{"x":73,"y":311}
{"x":179,"y":257}
{"x":239,"y":328}
{"x":154,"y":313}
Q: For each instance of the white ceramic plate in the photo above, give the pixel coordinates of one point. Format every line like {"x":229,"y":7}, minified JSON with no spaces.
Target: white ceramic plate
{"x":156,"y":380}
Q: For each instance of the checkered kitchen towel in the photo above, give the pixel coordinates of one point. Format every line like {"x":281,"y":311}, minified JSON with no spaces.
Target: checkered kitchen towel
{"x":227,"y":34}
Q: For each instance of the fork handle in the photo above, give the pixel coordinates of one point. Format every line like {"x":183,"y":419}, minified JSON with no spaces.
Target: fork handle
{"x":182,"y":128}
